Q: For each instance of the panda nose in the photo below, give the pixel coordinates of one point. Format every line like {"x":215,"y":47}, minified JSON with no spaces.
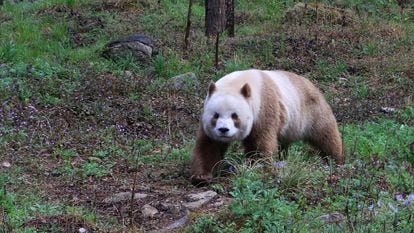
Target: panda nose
{"x":223,"y":130}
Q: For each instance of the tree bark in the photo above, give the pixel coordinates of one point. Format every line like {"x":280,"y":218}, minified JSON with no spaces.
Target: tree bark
{"x":216,"y":60}
{"x":187,"y":29}
{"x":215,"y":22}
{"x":215,"y":19}
{"x":230,"y":17}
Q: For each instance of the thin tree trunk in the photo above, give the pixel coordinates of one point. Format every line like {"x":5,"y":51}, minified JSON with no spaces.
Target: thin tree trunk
{"x":230,"y":17}
{"x":215,"y":22}
{"x":187,"y":29}
{"x":216,"y":60}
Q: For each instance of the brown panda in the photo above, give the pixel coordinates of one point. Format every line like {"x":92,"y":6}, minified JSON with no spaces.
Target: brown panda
{"x":262,"y":109}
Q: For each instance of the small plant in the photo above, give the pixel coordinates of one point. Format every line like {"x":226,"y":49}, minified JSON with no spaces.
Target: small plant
{"x":208,"y":225}
{"x":259,"y":204}
{"x":361,"y":91}
{"x":328,"y":71}
{"x":95,"y":169}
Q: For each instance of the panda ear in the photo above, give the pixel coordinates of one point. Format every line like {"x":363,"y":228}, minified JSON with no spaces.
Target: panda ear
{"x":211,"y":88}
{"x":246,"y":91}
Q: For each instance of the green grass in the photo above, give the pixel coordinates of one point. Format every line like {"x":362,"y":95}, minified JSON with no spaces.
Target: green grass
{"x":294,"y":197}
{"x":19,"y":209}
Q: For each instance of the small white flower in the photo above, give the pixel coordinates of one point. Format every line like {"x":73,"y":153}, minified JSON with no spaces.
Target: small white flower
{"x":280,"y":164}
{"x":409,"y":200}
{"x":393,"y":208}
{"x":410,"y":197}
{"x":379,"y":203}
{"x":399,"y":197}
{"x":370,"y":207}
{"x":406,"y":203}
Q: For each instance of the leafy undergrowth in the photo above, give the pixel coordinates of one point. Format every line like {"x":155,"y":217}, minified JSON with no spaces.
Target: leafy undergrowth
{"x":372,"y":192}
{"x":76,"y":128}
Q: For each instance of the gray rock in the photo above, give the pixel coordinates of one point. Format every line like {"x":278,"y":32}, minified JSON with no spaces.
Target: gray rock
{"x":308,"y":12}
{"x":184,"y":82}
{"x":200,"y":196}
{"x":221,"y":201}
{"x":149,"y":211}
{"x":6,"y":164}
{"x":173,"y":226}
{"x":387,"y":110}
{"x":141,"y":47}
{"x":196,"y":200}
{"x":123,"y":196}
{"x":177,"y":224}
{"x":170,"y":208}
{"x":334,"y":217}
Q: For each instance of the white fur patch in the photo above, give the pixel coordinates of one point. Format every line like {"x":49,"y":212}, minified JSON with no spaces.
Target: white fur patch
{"x":290,"y":98}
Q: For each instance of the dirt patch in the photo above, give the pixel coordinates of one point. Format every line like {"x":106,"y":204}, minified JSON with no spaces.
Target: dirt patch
{"x":59,"y":224}
{"x":79,"y":32}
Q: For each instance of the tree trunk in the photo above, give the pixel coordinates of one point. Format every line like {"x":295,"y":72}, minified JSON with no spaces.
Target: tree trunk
{"x":215,"y":19}
{"x":230,"y":17}
{"x":215,"y":22}
{"x":187,"y":29}
{"x":216,"y":60}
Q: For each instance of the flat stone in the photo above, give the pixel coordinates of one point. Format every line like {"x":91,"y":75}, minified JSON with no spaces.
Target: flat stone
{"x":171,"y":208}
{"x":387,"y":110}
{"x":199,"y":196}
{"x":149,"y":211}
{"x":173,"y":226}
{"x":221,"y":201}
{"x":184,"y":82}
{"x":140,"y":46}
{"x":123,"y":196}
{"x":6,"y":164}
{"x":308,"y":11}
{"x":334,"y":217}
{"x":197,"y":200}
{"x":177,"y":224}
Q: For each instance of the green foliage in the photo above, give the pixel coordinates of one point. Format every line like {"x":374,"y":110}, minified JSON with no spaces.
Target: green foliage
{"x":239,"y":62}
{"x":260,"y":206}
{"x":330,"y":72}
{"x":95,"y":169}
{"x":373,"y":8}
{"x":407,"y":115}
{"x":210,"y":225}
{"x":295,"y":195}
{"x":384,"y":139}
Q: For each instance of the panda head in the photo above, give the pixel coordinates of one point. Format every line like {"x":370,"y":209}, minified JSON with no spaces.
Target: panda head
{"x":227,"y":115}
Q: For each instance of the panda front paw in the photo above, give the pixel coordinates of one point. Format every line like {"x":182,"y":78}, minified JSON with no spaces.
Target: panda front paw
{"x":201,"y":180}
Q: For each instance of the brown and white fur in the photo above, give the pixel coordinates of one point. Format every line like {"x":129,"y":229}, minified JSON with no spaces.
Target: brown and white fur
{"x":262,"y":109}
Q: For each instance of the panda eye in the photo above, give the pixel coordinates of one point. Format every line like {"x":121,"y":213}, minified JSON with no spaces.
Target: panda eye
{"x":216,"y":115}
{"x":234,"y":116}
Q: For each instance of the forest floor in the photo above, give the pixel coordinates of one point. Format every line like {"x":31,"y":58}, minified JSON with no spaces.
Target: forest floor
{"x":78,"y":130}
